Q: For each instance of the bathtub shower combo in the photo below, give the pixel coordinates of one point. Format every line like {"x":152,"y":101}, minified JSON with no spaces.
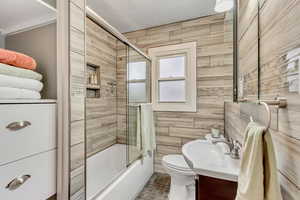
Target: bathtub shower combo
{"x":113,"y":155}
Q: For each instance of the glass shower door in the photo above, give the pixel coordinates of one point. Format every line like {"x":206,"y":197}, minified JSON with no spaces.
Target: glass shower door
{"x":138,"y":92}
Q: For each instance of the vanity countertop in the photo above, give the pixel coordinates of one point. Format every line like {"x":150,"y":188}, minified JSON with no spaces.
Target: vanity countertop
{"x":208,"y":159}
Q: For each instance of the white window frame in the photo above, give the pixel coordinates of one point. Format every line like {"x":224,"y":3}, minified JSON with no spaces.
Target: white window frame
{"x":190,"y":52}
{"x":145,"y":80}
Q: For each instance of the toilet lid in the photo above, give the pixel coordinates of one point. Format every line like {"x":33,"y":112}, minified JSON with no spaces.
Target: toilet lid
{"x":176,"y":162}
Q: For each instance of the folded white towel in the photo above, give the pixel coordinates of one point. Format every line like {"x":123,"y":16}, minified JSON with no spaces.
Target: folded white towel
{"x":19,"y":72}
{"x":21,"y":83}
{"x":15,"y":93}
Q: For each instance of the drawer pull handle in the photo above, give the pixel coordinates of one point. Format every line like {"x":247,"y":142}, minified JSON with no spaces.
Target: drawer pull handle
{"x":17,"y":182}
{"x":14,"y":126}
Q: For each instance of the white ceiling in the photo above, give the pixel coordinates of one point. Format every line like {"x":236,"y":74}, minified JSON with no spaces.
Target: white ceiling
{"x":16,"y":15}
{"x":130,"y":15}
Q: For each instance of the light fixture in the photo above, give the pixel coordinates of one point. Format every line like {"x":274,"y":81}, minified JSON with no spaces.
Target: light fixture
{"x":224,"y":5}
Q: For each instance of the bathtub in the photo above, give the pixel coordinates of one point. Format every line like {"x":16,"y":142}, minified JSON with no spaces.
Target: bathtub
{"x":108,"y":177}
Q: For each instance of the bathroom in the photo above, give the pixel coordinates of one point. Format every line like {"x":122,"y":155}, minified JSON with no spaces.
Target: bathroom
{"x":140,"y":100}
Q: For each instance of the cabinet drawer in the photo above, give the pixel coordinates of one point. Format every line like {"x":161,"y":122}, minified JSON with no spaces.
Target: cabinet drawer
{"x":26,"y":129}
{"x":39,"y":186}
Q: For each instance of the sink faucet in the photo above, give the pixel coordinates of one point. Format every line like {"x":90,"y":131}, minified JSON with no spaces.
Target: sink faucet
{"x":234,"y":147}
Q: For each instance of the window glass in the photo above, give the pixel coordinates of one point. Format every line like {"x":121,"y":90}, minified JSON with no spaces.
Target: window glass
{"x":172,"y":67}
{"x":137,"y":70}
{"x":137,"y":92}
{"x":172,"y":91}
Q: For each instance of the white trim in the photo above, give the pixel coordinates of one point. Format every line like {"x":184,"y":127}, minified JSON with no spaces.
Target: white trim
{"x":190,"y":105}
{"x":29,"y":25}
{"x":47,"y":5}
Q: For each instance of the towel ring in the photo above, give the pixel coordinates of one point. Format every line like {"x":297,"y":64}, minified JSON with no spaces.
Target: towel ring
{"x":268,"y":112}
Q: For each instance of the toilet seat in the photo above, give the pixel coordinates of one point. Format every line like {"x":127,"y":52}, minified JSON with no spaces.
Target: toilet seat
{"x":176,"y":162}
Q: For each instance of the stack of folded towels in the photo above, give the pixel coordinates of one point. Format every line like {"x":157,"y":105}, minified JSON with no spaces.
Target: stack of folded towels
{"x":18,"y":80}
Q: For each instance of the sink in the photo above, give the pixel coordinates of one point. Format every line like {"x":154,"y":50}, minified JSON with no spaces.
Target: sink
{"x":208,"y":159}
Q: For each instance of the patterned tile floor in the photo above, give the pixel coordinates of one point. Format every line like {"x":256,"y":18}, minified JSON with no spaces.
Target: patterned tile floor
{"x":157,"y":188}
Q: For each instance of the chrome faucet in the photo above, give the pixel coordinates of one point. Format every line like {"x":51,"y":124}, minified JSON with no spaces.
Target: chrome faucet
{"x":234,"y":147}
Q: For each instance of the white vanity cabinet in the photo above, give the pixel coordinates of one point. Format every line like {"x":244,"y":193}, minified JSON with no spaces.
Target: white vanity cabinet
{"x":28,"y":150}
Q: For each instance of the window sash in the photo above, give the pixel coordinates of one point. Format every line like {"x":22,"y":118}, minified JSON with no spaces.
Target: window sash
{"x":171,"y":56}
{"x":189,"y":50}
{"x":146,"y":97}
{"x":170,"y":80}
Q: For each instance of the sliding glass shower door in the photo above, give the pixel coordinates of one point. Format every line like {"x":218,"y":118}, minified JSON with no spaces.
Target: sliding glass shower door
{"x":138,"y":84}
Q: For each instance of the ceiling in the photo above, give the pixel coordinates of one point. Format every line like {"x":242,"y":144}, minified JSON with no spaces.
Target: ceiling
{"x":130,"y":15}
{"x":16,"y":15}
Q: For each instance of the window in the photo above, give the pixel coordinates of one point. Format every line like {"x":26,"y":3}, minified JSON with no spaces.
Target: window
{"x":174,"y":77}
{"x":137,"y":82}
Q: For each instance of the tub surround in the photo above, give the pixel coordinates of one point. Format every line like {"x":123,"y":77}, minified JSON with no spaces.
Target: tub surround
{"x":213,"y":35}
{"x":77,"y":98}
{"x":101,"y":113}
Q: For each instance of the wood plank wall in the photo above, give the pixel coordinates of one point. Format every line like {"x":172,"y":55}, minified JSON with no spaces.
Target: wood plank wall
{"x":77,"y":94}
{"x":122,"y":58}
{"x":248,"y":49}
{"x":280,"y":34}
{"x":213,"y":35}
{"x":101,"y":113}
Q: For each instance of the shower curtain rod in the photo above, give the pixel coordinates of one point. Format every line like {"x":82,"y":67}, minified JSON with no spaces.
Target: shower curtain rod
{"x":112,"y":30}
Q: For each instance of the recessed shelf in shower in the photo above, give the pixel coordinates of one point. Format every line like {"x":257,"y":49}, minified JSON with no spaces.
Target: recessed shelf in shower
{"x":93,"y":85}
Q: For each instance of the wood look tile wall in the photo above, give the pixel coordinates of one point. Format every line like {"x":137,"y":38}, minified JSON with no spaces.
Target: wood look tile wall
{"x":213,"y":35}
{"x":248,"y":49}
{"x":77,"y":94}
{"x":287,"y":147}
{"x":122,"y":59}
{"x":101,"y":113}
{"x":280,"y":34}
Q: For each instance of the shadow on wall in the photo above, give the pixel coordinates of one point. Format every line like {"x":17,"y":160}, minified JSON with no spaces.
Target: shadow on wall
{"x":2,"y":41}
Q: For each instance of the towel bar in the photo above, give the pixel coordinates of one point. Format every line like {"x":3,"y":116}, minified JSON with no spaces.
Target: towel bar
{"x":280,"y":102}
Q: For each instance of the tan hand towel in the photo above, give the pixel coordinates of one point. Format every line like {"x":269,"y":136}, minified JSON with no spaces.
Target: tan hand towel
{"x":258,"y":174}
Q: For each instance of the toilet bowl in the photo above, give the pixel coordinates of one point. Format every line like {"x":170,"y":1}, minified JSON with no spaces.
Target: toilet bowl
{"x":182,"y":178}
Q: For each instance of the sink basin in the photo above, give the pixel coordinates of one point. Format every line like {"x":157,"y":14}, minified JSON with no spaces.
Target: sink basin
{"x":208,"y":159}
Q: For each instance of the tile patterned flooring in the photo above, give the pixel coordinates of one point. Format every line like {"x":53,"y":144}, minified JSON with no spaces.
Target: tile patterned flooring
{"x":157,"y":188}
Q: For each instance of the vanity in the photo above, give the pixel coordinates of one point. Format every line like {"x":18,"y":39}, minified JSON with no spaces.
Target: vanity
{"x":217,"y":172}
{"x":28,"y":139}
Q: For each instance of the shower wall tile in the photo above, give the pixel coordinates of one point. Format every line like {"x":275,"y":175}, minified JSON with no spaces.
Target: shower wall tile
{"x":79,"y":3}
{"x":76,"y":16}
{"x":78,"y":131}
{"x":77,"y":100}
{"x":122,"y":92}
{"x":101,"y":113}
{"x":77,"y":41}
{"x":214,"y":78}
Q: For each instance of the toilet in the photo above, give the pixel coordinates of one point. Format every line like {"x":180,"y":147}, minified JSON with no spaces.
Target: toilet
{"x":182,"y":178}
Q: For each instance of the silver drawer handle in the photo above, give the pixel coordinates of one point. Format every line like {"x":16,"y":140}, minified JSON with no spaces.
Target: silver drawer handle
{"x":14,"y":126}
{"x":17,"y":182}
